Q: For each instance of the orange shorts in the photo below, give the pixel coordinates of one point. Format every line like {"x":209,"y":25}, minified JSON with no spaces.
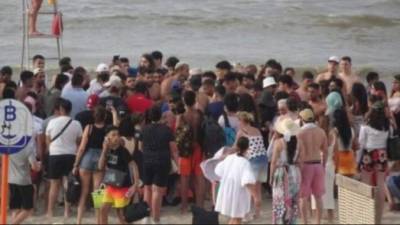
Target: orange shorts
{"x":346,"y":163}
{"x":191,"y":165}
{"x":116,"y":196}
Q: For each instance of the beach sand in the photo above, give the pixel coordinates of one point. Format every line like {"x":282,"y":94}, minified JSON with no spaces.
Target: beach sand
{"x":172,"y":215}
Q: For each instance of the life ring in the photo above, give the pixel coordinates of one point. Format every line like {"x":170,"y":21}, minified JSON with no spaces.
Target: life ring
{"x":57,"y":25}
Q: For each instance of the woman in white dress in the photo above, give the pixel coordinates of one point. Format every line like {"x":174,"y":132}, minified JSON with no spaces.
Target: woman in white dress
{"x":236,"y":184}
{"x":257,"y":156}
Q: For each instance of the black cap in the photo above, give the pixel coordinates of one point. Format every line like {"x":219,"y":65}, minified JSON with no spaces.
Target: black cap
{"x":397,"y":77}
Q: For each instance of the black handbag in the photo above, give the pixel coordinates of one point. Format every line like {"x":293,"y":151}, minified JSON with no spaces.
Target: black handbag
{"x":74,"y":189}
{"x":114,"y":177}
{"x":201,"y":216}
{"x":136,"y":211}
{"x":393,"y":146}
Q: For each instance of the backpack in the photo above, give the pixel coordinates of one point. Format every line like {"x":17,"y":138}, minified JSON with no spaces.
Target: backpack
{"x":214,"y":137}
{"x":230,"y":132}
{"x":184,"y":138}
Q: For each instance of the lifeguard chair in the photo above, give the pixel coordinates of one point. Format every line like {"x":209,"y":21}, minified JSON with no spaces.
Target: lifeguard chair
{"x":56,"y":33}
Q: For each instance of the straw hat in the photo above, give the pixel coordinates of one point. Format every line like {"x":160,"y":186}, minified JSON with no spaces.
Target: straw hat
{"x":287,"y":127}
{"x":208,"y":166}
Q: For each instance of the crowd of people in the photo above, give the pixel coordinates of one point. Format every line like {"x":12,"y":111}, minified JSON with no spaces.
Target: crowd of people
{"x":158,"y":131}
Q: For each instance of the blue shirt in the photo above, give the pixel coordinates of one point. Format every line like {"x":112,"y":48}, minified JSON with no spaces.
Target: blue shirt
{"x":77,"y":97}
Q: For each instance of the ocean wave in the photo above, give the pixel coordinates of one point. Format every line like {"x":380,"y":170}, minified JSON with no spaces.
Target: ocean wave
{"x":168,"y":20}
{"x":91,"y":19}
{"x":345,"y":21}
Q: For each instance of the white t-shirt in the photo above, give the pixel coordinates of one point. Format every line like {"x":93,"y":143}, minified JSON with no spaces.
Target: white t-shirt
{"x":233,"y":122}
{"x":95,"y":87}
{"x":370,"y":138}
{"x":66,"y":144}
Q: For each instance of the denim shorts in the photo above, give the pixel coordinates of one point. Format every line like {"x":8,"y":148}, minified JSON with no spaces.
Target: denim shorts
{"x":90,"y":160}
{"x":393,"y":188}
{"x":259,"y":166}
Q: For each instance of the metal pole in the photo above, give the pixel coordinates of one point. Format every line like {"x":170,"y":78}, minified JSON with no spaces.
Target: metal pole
{"x":23,"y":34}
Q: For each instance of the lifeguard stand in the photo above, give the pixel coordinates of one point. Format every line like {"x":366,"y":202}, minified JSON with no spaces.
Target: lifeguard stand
{"x":26,"y":57}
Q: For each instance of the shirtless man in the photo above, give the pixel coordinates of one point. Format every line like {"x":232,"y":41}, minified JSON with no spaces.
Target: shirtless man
{"x":202,"y":99}
{"x":181,"y":73}
{"x":33,"y":14}
{"x":333,"y":63}
{"x":315,"y":101}
{"x":190,"y":166}
{"x":308,"y":78}
{"x":348,"y":77}
{"x":313,"y":159}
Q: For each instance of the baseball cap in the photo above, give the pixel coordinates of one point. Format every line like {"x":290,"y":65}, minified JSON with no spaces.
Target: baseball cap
{"x":92,"y":101}
{"x":269,"y":81}
{"x":195,"y":71}
{"x":307,"y":115}
{"x":113,"y":81}
{"x":333,"y":59}
{"x":102,"y":67}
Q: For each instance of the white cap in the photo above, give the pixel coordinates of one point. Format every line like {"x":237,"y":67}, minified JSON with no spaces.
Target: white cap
{"x":37,"y":70}
{"x":195,"y":71}
{"x":269,"y":81}
{"x":113,"y":81}
{"x":333,"y":59}
{"x":102,"y":67}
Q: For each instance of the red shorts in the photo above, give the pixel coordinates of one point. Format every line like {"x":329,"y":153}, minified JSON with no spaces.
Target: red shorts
{"x":191,"y":165}
{"x":312,"y":180}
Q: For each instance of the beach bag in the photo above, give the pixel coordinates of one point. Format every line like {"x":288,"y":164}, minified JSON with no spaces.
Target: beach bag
{"x":230,"y":133}
{"x":97,"y":197}
{"x":115,"y":178}
{"x":136,"y":211}
{"x":73,"y":189}
{"x":201,"y":216}
{"x":393,"y":145}
{"x":184,"y":139}
{"x":214,"y":137}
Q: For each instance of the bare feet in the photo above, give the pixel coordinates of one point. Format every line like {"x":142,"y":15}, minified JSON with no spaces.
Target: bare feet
{"x":35,"y":34}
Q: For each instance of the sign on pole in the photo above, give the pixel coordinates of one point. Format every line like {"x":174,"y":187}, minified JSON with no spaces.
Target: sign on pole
{"x":16,"y":127}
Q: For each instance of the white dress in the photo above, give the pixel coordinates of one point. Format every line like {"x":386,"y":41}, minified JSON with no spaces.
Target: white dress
{"x":233,"y":198}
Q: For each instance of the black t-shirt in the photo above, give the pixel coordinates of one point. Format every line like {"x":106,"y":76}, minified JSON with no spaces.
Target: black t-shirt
{"x":156,"y":138}
{"x":86,"y":117}
{"x":119,"y":159}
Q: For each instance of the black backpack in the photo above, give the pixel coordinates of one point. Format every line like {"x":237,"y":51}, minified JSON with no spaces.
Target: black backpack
{"x":214,"y":136}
